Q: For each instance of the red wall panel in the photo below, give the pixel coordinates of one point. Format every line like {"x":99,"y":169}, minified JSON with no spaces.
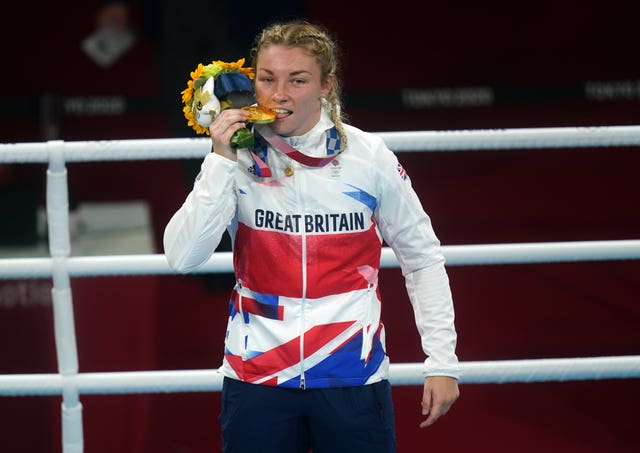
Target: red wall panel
{"x":503,"y":312}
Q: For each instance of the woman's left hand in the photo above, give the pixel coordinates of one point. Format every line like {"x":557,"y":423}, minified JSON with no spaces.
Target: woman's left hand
{"x":439,"y":394}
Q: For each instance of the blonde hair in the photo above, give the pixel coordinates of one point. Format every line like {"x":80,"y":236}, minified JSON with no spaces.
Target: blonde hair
{"x":317,"y":41}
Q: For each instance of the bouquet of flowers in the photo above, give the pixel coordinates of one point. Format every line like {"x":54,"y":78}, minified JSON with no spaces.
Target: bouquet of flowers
{"x":219,"y":86}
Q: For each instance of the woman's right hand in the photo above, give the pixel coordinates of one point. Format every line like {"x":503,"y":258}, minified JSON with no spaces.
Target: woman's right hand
{"x":223,"y":128}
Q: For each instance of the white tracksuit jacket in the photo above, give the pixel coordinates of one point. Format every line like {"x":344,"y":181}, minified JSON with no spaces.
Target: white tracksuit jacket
{"x":305,"y":311}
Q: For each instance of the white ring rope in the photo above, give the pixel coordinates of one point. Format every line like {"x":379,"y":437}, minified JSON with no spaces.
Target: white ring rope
{"x":497,"y":371}
{"x":456,"y":255}
{"x":457,"y":140}
{"x":61,"y":266}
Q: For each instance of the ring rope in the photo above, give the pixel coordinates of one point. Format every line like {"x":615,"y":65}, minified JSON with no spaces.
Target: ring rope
{"x":455,"y":255}
{"x":473,"y":372}
{"x":455,"y":140}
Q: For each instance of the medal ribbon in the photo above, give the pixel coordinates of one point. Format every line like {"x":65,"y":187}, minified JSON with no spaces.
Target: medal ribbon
{"x":333,"y":144}
{"x":278,"y":143}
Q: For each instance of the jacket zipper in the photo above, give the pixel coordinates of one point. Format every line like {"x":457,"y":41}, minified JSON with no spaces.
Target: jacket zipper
{"x":304,"y":280}
{"x":304,"y":301}
{"x":240,"y":312}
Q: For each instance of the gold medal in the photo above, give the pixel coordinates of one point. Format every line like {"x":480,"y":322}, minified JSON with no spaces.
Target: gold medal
{"x":288,"y":171}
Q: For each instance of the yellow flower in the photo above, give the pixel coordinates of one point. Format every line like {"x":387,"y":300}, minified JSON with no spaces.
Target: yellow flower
{"x":191,"y":121}
{"x":198,"y":72}
{"x":236,"y":67}
{"x":187,"y":93}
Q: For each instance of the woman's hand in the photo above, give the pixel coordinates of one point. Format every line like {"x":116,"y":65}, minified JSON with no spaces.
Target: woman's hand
{"x":222,"y":129}
{"x":440,"y":392}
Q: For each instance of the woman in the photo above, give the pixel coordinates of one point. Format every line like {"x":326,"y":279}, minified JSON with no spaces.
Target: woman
{"x":308,"y":208}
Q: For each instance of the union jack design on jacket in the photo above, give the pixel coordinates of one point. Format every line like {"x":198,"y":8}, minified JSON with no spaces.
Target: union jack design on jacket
{"x":305,"y":312}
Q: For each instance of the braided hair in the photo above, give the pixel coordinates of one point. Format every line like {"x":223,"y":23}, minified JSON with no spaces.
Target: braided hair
{"x":318,"y":42}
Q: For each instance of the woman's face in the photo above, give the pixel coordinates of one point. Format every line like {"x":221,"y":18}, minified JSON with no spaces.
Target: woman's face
{"x":288,"y":82}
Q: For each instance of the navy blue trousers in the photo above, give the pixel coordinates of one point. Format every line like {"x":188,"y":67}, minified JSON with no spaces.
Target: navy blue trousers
{"x":265,"y":419}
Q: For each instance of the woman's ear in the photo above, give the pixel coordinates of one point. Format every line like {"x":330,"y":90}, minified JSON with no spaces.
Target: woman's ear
{"x":326,"y":87}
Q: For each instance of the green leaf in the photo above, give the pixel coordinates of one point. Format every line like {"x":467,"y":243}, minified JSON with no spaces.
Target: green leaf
{"x":242,"y":138}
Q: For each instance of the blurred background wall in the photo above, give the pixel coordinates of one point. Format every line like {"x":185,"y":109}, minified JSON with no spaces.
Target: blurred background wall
{"x":407,"y":65}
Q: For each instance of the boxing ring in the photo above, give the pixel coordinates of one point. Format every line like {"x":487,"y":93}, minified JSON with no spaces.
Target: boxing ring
{"x":60,"y":266}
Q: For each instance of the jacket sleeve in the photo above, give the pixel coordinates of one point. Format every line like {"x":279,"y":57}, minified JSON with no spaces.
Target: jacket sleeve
{"x":407,"y":229}
{"x":430,"y":296}
{"x":195,"y":230}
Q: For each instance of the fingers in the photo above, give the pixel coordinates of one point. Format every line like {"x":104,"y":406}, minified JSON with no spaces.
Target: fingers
{"x":227,"y":123}
{"x":439,"y":394}
{"x":436,"y":411}
{"x":223,"y":128}
{"x":426,"y":401}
